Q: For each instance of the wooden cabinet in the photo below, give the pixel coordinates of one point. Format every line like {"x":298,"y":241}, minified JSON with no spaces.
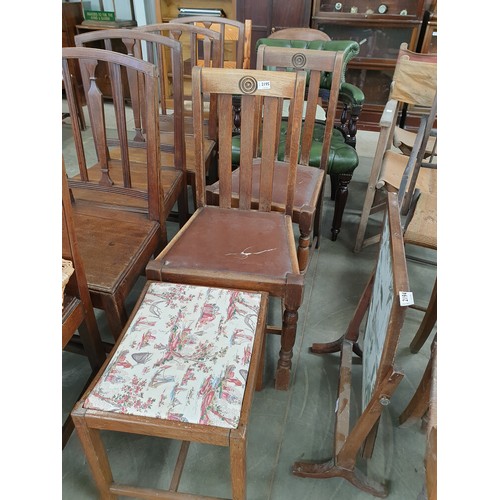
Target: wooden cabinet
{"x":71,"y":16}
{"x":379,"y":27}
{"x":428,"y":37}
{"x":166,"y":10}
{"x":271,"y":15}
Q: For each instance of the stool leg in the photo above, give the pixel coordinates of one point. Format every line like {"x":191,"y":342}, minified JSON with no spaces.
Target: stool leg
{"x":237,"y":453}
{"x":97,"y":458}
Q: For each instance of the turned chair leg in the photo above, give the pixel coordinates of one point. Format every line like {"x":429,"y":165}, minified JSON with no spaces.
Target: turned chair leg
{"x":303,"y":250}
{"x":340,"y":183}
{"x":288,"y":333}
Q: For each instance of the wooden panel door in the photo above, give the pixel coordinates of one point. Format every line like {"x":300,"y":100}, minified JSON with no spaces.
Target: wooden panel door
{"x":270,"y":15}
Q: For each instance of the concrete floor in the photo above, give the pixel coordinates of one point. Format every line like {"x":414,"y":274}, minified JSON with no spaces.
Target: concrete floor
{"x":297,"y":424}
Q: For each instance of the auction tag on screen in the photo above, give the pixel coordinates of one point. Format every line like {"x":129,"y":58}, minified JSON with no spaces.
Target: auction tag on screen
{"x":264,"y":85}
{"x":406,"y":298}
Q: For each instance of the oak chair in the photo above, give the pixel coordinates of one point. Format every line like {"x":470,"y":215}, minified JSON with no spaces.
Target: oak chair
{"x":343,"y":158}
{"x":241,"y":246}
{"x":173,"y":144}
{"x":184,"y":368}
{"x":80,"y":333}
{"x":384,"y":303}
{"x":315,"y":149}
{"x":414,"y":83}
{"x":118,"y":206}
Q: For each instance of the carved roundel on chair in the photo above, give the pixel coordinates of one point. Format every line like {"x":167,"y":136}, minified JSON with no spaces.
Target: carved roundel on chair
{"x":299,"y":60}
{"x":248,"y":84}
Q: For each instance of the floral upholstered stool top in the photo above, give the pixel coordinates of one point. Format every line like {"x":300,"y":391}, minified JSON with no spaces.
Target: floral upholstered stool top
{"x":185,"y":367}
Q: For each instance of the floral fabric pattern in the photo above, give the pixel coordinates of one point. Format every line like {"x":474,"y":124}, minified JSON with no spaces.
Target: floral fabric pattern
{"x":184,"y":357}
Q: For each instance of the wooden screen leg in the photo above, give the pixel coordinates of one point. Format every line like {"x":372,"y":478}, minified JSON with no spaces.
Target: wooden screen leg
{"x":352,"y":332}
{"x":97,"y":458}
{"x":237,"y":452}
{"x":328,"y":469}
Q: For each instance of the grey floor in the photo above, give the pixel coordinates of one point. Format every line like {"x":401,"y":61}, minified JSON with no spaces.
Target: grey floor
{"x":296,"y":424}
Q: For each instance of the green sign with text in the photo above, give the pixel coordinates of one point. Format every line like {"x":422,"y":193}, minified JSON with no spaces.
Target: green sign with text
{"x":97,"y":15}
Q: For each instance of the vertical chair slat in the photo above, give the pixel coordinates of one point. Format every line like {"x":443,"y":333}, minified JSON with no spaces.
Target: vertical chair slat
{"x":121,"y":121}
{"x":96,"y":110}
{"x":77,"y":134}
{"x":308,"y":127}
{"x":199,"y":138}
{"x":295,"y":127}
{"x":134,"y":49}
{"x":269,"y":141}
{"x":246,"y":156}
{"x":225,"y":102}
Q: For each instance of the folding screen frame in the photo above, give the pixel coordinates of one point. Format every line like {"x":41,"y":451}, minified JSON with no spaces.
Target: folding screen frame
{"x":384,"y":299}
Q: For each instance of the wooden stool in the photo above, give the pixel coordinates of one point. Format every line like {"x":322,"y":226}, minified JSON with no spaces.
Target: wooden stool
{"x":185,"y":367}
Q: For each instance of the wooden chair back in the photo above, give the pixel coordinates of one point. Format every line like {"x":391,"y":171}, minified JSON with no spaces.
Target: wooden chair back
{"x":236,"y":53}
{"x":200,"y":47}
{"x":117,"y":176}
{"x":309,"y":34}
{"x":165,"y":53}
{"x":383,"y":303}
{"x":314,"y":62}
{"x":415,"y":77}
{"x":262,"y":94}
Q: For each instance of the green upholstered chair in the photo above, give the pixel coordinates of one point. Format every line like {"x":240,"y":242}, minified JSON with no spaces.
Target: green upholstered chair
{"x":351,"y":97}
{"x":342,"y":158}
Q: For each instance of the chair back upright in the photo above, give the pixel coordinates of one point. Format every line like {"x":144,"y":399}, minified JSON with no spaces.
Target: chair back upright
{"x":120,"y":177}
{"x":262,"y":95}
{"x":314,"y":62}
{"x":200,"y":46}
